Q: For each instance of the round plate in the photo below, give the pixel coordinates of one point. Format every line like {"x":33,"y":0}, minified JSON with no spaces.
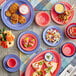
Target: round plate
{"x":49,"y":43}
{"x":28,"y":48}
{"x":29,"y":69}
{"x":29,"y":17}
{"x":72,"y":52}
{"x":54,"y":15}
{"x":42,"y":18}
{"x":38,"y":40}
{"x":66,"y":29}
{"x":17,"y":65}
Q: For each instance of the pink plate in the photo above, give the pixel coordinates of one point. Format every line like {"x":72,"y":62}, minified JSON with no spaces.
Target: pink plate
{"x":66,"y":31}
{"x":28,"y":48}
{"x":40,"y":56}
{"x":54,"y":15}
{"x":42,"y":18}
{"x":68,"y":49}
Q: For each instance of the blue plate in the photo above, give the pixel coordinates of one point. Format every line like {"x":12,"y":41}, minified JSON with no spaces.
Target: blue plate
{"x":68,"y":31}
{"x":29,"y":17}
{"x":28,"y":52}
{"x":18,"y":61}
{"x":50,"y":43}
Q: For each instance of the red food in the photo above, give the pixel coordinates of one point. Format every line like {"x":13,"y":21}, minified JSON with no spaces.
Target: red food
{"x":4,"y":44}
{"x":72,"y":31}
{"x":11,"y":63}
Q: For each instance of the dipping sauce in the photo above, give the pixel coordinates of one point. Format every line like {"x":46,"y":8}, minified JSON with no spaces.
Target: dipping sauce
{"x":49,"y":56}
{"x":59,"y":8}
{"x":24,"y":9}
{"x":68,"y":49}
{"x":11,"y":62}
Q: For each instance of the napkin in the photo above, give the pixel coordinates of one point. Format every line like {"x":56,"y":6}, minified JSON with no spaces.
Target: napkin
{"x":1,"y":3}
{"x":38,"y":4}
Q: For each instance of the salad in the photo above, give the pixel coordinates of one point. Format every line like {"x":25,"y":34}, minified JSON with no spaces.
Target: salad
{"x":52,"y":35}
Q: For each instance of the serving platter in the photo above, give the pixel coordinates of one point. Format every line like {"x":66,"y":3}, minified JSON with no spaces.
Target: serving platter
{"x":29,"y":69}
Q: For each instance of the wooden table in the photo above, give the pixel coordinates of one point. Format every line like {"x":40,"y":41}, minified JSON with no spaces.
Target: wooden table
{"x":34,"y":28}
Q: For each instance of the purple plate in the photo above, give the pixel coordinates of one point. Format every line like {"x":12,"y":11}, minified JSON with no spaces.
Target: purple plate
{"x":18,"y":63}
{"x":28,"y":52}
{"x":50,"y":43}
{"x":29,"y":17}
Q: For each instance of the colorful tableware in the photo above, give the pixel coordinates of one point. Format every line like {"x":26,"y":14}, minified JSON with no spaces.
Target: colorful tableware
{"x":35,"y":48}
{"x":49,"y":56}
{"x":16,"y":67}
{"x":29,"y":17}
{"x":42,"y":18}
{"x":29,"y":70}
{"x":24,"y":9}
{"x":50,"y":43}
{"x":29,"y":36}
{"x":11,"y":62}
{"x":55,"y":17}
{"x":67,"y":31}
{"x":59,"y":8}
{"x":68,"y":49}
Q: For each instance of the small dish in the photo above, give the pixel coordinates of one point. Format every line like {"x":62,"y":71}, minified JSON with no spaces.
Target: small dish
{"x":68,"y":49}
{"x":59,"y":8}
{"x":67,"y":31}
{"x":35,"y":48}
{"x":49,"y":56}
{"x":51,"y":43}
{"x":11,"y":62}
{"x":12,"y":69}
{"x":24,"y":9}
{"x":42,"y":18}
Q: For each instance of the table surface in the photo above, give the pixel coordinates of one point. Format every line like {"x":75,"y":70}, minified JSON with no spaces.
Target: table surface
{"x":36,"y":29}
